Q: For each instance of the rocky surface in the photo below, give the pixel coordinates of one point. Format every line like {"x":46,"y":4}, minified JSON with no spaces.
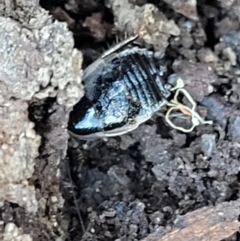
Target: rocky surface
{"x":38,"y":62}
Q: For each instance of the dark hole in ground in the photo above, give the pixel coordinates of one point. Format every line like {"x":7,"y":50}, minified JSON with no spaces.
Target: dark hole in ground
{"x":210,"y":15}
{"x":238,"y":235}
{"x":164,"y":7}
{"x":162,"y":128}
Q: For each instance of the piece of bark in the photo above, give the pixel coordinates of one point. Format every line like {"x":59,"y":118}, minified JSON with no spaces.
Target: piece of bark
{"x":205,"y":224}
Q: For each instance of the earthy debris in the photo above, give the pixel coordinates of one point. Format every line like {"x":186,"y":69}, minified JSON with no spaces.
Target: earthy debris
{"x":208,"y":223}
{"x":232,"y":39}
{"x":229,"y":53}
{"x":155,"y":149}
{"x":198,"y":78}
{"x":234,"y":127}
{"x":208,"y":144}
{"x":187,"y":8}
{"x":99,"y":29}
{"x":24,"y":58}
{"x":61,"y":15}
{"x":217,"y":109}
{"x":13,"y":233}
{"x":226,"y":25}
{"x":232,"y":7}
{"x":152,"y":25}
{"x":19,"y":148}
{"x":206,"y":55}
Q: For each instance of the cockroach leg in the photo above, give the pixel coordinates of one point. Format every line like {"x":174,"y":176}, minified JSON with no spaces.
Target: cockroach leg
{"x":119,"y":46}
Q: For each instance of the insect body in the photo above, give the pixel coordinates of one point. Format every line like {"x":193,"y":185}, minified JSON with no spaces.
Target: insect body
{"x":122,"y":90}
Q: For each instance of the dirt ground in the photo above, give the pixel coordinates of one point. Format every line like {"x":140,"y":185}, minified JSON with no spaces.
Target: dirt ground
{"x":138,"y":183}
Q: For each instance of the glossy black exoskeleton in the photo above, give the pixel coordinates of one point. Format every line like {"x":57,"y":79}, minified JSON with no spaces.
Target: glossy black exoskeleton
{"x":122,"y":90}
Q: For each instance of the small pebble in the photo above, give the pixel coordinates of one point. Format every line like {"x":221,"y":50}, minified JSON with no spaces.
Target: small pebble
{"x":208,"y":144}
{"x":230,"y":54}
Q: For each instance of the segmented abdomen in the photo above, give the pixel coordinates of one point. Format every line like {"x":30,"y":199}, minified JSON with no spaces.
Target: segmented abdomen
{"x":142,"y":77}
{"x":122,"y":88}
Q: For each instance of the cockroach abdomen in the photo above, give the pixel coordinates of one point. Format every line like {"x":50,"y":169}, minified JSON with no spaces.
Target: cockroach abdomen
{"x":122,"y":90}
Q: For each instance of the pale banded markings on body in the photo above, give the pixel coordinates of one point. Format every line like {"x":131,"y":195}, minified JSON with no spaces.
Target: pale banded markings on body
{"x":122,"y":90}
